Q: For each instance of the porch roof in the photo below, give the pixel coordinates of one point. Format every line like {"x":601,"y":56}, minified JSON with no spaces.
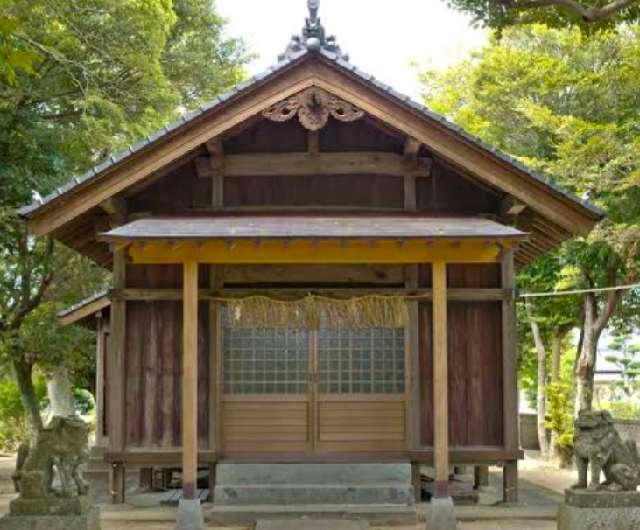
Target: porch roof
{"x":311,"y":227}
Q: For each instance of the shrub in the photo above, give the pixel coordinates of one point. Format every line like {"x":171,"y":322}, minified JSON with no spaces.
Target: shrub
{"x":560,"y":420}
{"x":13,"y":425}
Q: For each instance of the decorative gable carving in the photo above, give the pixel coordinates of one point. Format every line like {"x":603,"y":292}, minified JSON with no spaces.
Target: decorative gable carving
{"x":313,"y":107}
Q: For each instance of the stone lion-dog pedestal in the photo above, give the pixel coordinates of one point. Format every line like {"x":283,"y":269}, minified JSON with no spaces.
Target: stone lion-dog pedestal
{"x":615,"y":503}
{"x":60,"y":447}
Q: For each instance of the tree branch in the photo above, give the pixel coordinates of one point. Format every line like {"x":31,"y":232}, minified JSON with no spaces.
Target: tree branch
{"x":588,"y":14}
{"x":32,"y":302}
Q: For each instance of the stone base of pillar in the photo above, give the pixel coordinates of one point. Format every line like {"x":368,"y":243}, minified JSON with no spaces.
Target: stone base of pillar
{"x":190,"y":515}
{"x":440,"y":514}
{"x":599,"y":509}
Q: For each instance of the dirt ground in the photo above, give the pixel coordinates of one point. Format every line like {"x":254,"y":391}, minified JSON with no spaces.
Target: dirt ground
{"x":532,"y":471}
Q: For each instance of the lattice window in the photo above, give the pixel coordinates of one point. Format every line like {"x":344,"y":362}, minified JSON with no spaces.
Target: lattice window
{"x":367,"y":361}
{"x":265,"y":360}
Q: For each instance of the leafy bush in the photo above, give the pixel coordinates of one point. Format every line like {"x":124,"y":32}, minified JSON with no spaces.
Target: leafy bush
{"x":560,"y":420}
{"x":13,"y":425}
{"x":623,"y":410}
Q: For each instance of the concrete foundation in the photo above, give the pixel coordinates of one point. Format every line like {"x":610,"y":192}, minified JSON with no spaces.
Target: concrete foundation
{"x":309,"y":484}
{"x":440,"y":514}
{"x":98,"y":474}
{"x":190,"y":515}
{"x":297,"y":524}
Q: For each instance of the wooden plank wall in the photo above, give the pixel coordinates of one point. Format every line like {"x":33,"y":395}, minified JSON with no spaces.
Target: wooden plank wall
{"x":475,"y":362}
{"x":153,"y":374}
{"x":153,"y":363}
{"x":368,"y":425}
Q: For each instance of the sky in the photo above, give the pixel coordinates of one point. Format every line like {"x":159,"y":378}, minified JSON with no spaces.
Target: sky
{"x":383,"y":38}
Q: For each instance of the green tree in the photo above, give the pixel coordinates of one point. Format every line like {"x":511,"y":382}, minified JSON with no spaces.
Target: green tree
{"x":101,"y":74}
{"x":628,"y":362}
{"x":565,"y":105}
{"x":588,"y":14}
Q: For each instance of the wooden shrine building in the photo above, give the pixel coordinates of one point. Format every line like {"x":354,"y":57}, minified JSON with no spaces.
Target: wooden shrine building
{"x":309,"y":192}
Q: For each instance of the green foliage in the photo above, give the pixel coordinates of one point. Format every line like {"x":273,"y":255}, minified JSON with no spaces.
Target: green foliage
{"x":499,"y":14}
{"x":628,"y":362}
{"x":560,"y":418}
{"x":13,"y":57}
{"x":13,"y":426}
{"x":623,"y":410}
{"x":79,"y":80}
{"x":567,"y":106}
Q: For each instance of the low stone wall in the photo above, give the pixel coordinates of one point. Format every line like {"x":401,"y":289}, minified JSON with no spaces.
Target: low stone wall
{"x":529,"y":432}
{"x":629,"y":429}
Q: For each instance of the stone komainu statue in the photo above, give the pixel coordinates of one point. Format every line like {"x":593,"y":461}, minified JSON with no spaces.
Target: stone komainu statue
{"x":597,"y":442}
{"x":63,"y":446}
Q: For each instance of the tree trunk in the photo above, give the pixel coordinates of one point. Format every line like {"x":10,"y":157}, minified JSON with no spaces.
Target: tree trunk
{"x":542,"y":384}
{"x":556,"y":354}
{"x":587,"y":358}
{"x":24,"y":377}
{"x":556,"y":358}
{"x":60,"y":393}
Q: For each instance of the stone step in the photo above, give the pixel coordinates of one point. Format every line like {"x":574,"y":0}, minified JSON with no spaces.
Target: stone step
{"x":374,"y":514}
{"x":320,"y":524}
{"x":307,"y":484}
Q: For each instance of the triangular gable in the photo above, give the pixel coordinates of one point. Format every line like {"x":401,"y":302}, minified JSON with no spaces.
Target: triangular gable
{"x":336,"y":76}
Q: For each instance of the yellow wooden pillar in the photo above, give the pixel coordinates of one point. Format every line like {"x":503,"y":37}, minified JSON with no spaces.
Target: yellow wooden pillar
{"x":190,"y":381}
{"x":440,"y":381}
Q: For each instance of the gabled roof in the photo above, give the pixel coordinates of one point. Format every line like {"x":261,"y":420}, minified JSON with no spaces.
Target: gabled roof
{"x":336,"y":60}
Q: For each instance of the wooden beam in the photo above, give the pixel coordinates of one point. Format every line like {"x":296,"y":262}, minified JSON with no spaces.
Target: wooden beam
{"x":301,"y":164}
{"x":453,"y":295}
{"x":440,"y":381}
{"x":313,"y":143}
{"x":214,"y":147}
{"x":413,"y":354}
{"x":114,"y":206}
{"x":190,"y":381}
{"x":117,"y":412}
{"x":510,"y":377}
{"x":317,"y":252}
{"x":100,"y":358}
{"x":411,"y":149}
{"x":510,"y":206}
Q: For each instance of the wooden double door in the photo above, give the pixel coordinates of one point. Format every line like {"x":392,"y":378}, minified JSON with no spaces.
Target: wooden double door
{"x":309,"y":392}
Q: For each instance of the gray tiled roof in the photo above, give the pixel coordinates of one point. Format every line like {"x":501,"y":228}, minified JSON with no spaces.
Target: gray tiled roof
{"x":29,"y":211}
{"x":83,"y":303}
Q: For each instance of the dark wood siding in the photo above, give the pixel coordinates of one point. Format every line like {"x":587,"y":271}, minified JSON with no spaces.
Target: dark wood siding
{"x":447,"y":192}
{"x":475,"y":359}
{"x":154,"y":372}
{"x":475,"y":373}
{"x":162,"y":276}
{"x":357,"y":191}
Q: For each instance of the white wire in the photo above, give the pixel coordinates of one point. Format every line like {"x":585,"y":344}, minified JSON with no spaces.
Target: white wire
{"x":580,"y":291}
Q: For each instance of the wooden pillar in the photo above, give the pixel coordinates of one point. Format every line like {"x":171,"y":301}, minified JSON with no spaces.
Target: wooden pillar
{"x":100,"y":338}
{"x":440,"y":381}
{"x":190,"y":381}
{"x":215,"y":367}
{"x":116,"y":363}
{"x":510,"y":378}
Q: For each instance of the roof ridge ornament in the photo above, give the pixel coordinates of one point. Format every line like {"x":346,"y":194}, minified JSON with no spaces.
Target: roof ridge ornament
{"x":313,"y":37}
